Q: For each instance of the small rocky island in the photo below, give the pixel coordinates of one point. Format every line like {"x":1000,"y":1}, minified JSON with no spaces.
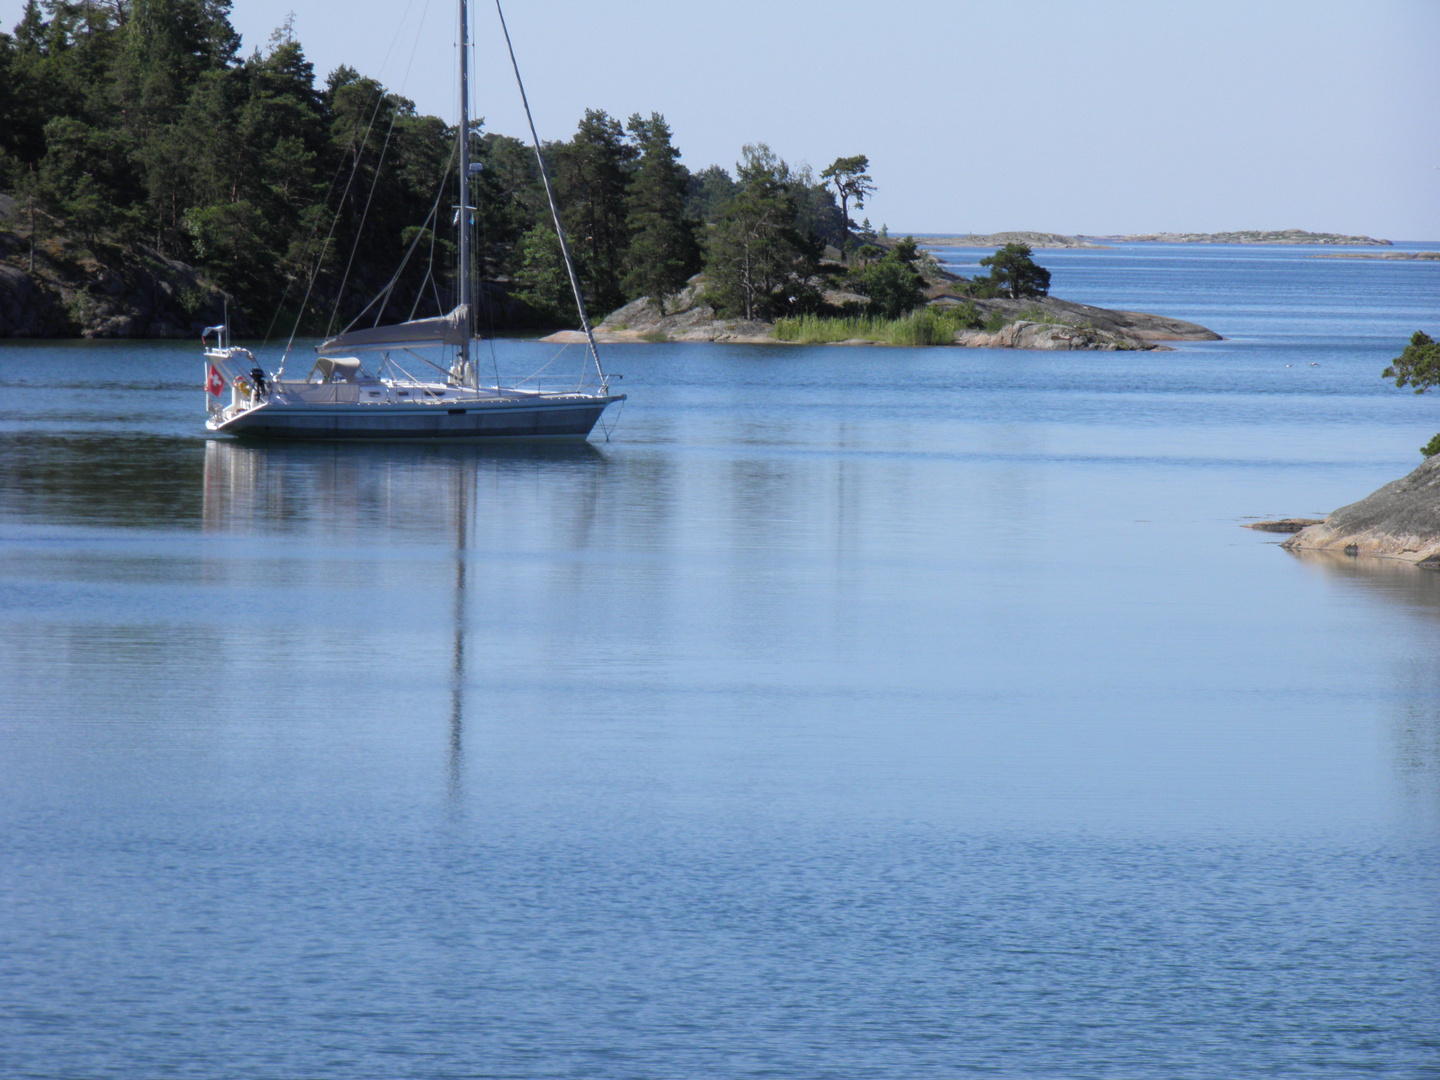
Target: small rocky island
{"x":1034,"y":240}
{"x":995,"y":322}
{"x":1399,"y":521}
{"x":1403,"y":256}
{"x":1252,"y":236}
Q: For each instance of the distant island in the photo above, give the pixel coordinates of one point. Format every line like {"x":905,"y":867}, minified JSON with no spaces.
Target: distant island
{"x":1034,"y":240}
{"x":1413,"y":256}
{"x":1059,"y":240}
{"x":1251,"y":236}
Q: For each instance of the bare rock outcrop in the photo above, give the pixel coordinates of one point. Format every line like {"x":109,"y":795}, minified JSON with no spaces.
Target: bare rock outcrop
{"x":63,"y":290}
{"x":685,"y":317}
{"x":1253,"y":236}
{"x":1282,"y":525}
{"x":1032,"y":323}
{"x":1037,"y":335}
{"x":1034,"y":240}
{"x":1399,"y":521}
{"x":1102,"y":327}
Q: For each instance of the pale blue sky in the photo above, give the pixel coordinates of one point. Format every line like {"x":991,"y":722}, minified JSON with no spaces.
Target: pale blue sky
{"x":1099,"y":117}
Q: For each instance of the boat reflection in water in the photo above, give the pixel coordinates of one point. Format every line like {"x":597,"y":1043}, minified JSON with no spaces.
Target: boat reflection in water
{"x":408,"y":491}
{"x":473,"y":500}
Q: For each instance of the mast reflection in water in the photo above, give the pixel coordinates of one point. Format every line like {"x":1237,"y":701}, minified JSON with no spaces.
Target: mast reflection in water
{"x":383,"y":494}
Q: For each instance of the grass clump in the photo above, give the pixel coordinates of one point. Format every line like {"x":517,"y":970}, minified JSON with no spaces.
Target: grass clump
{"x":926,"y":326}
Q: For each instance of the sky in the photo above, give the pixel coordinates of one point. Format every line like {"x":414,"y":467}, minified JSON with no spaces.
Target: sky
{"x":1073,"y":116}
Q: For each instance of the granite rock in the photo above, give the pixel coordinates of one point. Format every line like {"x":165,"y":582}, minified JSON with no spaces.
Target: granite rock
{"x":1398,"y":521}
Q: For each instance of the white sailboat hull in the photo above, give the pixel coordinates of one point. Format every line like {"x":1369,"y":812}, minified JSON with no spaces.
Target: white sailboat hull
{"x":550,"y":416}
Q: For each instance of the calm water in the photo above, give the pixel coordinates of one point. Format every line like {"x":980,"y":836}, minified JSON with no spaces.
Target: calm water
{"x":851,"y":713}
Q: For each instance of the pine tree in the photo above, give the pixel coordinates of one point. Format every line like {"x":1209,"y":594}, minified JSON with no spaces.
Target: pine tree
{"x":756,"y":259}
{"x":663,"y":252}
{"x":851,"y":181}
{"x":592,"y":173}
{"x":1012,"y":271}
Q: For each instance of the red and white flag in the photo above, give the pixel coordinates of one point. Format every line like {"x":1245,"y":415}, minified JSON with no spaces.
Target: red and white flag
{"x":215,"y":383}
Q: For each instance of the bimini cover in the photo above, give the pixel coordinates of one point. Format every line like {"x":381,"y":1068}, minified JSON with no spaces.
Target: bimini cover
{"x":346,"y":369}
{"x":441,"y":330}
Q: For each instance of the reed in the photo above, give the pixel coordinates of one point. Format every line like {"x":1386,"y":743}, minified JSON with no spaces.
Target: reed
{"x":927,"y":326}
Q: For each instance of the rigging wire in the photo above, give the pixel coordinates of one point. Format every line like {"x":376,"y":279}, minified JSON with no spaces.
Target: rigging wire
{"x":354,"y":169}
{"x":550,"y":197}
{"x":304,"y":252}
{"x":404,"y":80}
{"x":429,"y":278}
{"x":334,"y":221}
{"x":364,"y":214}
{"x":383,"y":298}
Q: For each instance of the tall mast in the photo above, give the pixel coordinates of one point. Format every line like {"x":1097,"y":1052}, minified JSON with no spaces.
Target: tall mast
{"x":463,"y":361}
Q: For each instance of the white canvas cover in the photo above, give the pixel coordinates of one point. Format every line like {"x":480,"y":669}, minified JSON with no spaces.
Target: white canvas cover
{"x":440,"y":330}
{"x":346,"y":369}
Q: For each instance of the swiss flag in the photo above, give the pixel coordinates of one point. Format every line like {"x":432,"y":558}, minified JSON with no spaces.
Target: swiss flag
{"x":215,"y":383}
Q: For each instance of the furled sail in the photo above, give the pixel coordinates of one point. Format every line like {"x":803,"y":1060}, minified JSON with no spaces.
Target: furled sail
{"x":448,"y":329}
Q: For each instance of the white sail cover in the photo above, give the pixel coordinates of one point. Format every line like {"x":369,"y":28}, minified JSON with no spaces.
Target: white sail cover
{"x":441,"y":330}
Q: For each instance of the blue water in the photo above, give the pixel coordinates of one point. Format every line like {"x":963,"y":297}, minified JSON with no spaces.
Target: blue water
{"x":851,"y":712}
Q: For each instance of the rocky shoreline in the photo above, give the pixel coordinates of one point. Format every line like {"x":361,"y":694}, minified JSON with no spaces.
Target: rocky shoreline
{"x":1250,"y":236}
{"x":1034,"y":240}
{"x":1399,"y":521}
{"x":71,"y":292}
{"x":1422,"y":256}
{"x":1045,"y":322}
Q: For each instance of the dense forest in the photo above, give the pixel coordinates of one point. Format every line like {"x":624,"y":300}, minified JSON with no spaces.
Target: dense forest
{"x":138,"y":126}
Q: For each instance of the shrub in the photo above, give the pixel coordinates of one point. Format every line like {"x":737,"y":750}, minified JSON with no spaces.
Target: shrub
{"x":928,"y":326}
{"x":1418,"y":365}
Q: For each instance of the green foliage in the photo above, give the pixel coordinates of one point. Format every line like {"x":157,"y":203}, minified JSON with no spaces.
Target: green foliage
{"x":891,"y":284}
{"x":816,"y":215}
{"x":592,"y":175}
{"x":82,"y":171}
{"x":928,"y":326}
{"x":706,"y":194}
{"x":663,"y":253}
{"x":851,"y":181}
{"x":136,"y":123}
{"x":757,"y":260}
{"x":547,"y":286}
{"x":1431,"y":448}
{"x":141,"y":122}
{"x":1015,"y":274}
{"x":1418,"y":366}
{"x":509,"y":201}
{"x":981,"y":287}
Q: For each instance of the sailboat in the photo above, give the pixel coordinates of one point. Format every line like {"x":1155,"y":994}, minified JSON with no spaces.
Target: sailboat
{"x":360,"y":387}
